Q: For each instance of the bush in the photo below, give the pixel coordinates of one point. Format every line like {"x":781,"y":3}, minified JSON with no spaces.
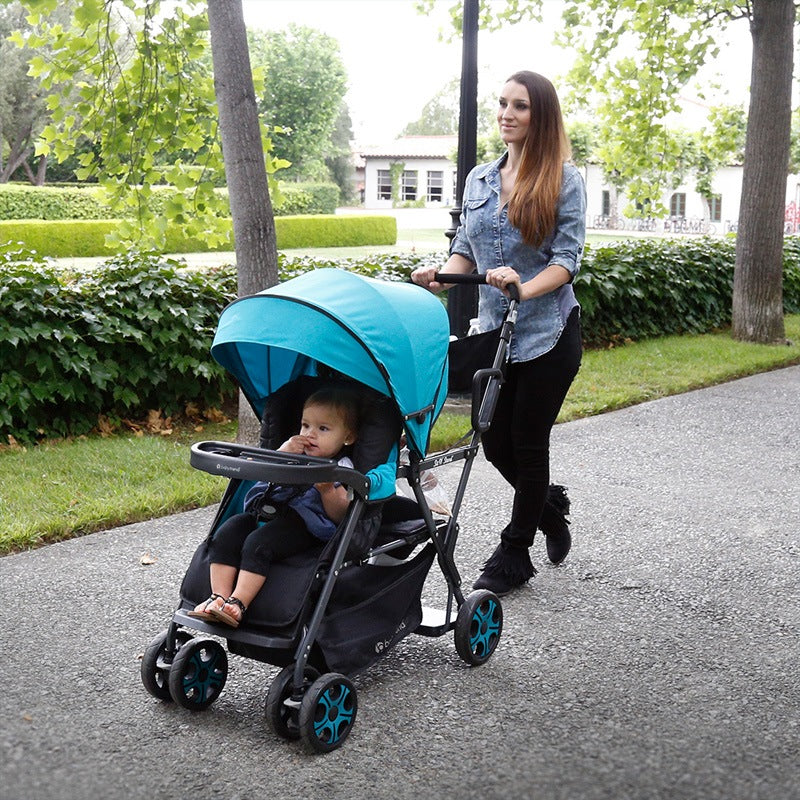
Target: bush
{"x":791,"y":275}
{"x":120,"y":340}
{"x":85,"y":202}
{"x":638,"y":288}
{"x":46,"y":202}
{"x":59,"y":238}
{"x":134,"y":335}
{"x":83,"y":238}
{"x":308,"y":198}
{"x":384,"y":267}
{"x":335,"y":231}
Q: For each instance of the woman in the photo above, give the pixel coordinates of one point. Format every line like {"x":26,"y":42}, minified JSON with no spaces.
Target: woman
{"x":523,"y":223}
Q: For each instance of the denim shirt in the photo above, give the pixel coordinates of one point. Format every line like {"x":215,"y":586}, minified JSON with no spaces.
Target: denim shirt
{"x":487,"y":239}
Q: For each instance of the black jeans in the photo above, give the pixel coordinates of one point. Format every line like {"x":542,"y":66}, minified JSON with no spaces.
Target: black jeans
{"x":518,"y":441}
{"x":241,"y":542}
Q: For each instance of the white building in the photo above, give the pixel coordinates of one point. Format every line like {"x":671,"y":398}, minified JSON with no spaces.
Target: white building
{"x":689,"y":212}
{"x":425,"y":168}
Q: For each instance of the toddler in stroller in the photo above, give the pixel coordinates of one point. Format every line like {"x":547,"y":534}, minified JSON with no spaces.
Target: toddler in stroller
{"x":332,"y":608}
{"x":280,"y":521}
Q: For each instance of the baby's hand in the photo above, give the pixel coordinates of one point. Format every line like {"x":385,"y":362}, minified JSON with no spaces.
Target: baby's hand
{"x":295,"y":444}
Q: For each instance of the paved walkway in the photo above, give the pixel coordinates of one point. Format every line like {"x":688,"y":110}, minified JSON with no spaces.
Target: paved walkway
{"x":659,"y":661}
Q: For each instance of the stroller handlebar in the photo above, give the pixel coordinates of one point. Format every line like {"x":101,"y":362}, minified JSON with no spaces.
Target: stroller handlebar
{"x":473,"y":278}
{"x":257,"y":464}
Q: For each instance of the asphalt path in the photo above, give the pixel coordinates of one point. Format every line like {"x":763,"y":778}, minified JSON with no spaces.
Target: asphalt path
{"x":659,"y":661}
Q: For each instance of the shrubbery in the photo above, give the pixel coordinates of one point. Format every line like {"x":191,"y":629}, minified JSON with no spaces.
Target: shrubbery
{"x":19,"y":202}
{"x":83,"y":238}
{"x":134,"y":335}
{"x":329,"y":230}
{"x":638,"y":288}
{"x":46,"y":202}
{"x":308,"y":198}
{"x":122,"y":339}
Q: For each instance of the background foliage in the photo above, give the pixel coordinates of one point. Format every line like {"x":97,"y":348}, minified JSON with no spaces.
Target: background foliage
{"x":302,"y":95}
{"x":91,"y":202}
{"x":135,"y":334}
{"x":87,"y":238}
{"x":120,"y":340}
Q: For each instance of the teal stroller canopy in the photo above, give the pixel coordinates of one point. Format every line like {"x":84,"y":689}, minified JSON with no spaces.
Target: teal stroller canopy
{"x":390,"y":336}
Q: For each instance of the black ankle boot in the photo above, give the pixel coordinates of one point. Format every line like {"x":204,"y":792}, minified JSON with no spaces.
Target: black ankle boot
{"x":555,"y":525}
{"x":506,"y":569}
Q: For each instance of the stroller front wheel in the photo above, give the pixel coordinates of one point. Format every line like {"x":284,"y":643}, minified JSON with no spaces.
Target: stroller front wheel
{"x":478,"y":627}
{"x":283,"y":719}
{"x":155,"y":668}
{"x":198,"y":674}
{"x":328,"y":712}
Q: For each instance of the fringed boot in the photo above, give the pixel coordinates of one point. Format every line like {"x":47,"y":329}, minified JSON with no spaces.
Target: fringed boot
{"x":507,"y":568}
{"x":555,"y":525}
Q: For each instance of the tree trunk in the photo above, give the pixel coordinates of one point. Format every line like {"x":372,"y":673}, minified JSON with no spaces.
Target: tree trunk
{"x":246,"y":174}
{"x":41,"y":170}
{"x":758,"y":277}
{"x":17,"y":156}
{"x":36,"y":178}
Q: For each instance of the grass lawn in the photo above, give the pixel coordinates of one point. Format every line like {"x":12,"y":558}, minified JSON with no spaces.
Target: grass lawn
{"x":420,"y":240}
{"x":63,"y":489}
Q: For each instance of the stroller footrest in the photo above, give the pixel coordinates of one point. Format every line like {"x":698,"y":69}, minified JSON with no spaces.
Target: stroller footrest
{"x":435,"y":622}
{"x":241,"y":634}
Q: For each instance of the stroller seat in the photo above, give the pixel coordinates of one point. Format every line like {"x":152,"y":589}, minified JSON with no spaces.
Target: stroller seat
{"x":280,"y":609}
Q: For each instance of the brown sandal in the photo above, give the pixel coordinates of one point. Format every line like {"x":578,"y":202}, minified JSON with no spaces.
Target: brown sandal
{"x":205,"y":612}
{"x":223,"y":616}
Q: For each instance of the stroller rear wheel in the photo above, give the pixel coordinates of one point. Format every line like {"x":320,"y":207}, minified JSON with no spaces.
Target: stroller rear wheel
{"x":478,"y":627}
{"x":328,"y":712}
{"x":155,"y":669}
{"x":198,"y":674}
{"x":283,"y":718}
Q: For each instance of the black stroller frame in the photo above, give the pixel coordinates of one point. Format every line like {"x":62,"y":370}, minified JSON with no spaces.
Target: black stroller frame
{"x":312,"y":698}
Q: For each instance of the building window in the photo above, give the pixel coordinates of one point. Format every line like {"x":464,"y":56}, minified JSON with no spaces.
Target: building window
{"x":677,"y":205}
{"x":715,"y":207}
{"x":384,"y":184}
{"x":408,"y":187}
{"x":435,"y":186}
{"x":606,"y":202}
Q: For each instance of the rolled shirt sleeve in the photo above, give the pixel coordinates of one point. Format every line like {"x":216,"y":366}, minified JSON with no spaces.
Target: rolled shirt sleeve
{"x":570,"y":233}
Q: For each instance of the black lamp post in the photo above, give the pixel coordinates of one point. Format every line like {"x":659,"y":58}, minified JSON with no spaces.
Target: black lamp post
{"x":462,"y":300}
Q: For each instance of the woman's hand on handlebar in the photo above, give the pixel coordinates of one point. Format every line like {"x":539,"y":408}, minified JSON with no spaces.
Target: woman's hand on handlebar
{"x":502,"y":277}
{"x":456,"y":265}
{"x":426,"y":276}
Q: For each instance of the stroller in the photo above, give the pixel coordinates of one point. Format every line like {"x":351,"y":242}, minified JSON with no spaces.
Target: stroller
{"x":330,"y":612}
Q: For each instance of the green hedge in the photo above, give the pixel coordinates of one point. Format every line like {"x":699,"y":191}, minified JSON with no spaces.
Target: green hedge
{"x":640,"y":288}
{"x":308,"y":198}
{"x":329,"y":230}
{"x":133,"y":335}
{"x":19,"y":202}
{"x":84,"y":238}
{"x":130,"y":336}
{"x":46,"y":202}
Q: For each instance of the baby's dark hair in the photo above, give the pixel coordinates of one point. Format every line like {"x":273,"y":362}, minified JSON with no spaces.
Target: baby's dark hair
{"x":345,"y":400}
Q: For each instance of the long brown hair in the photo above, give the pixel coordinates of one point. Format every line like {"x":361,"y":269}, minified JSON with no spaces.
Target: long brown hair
{"x":533,"y":203}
